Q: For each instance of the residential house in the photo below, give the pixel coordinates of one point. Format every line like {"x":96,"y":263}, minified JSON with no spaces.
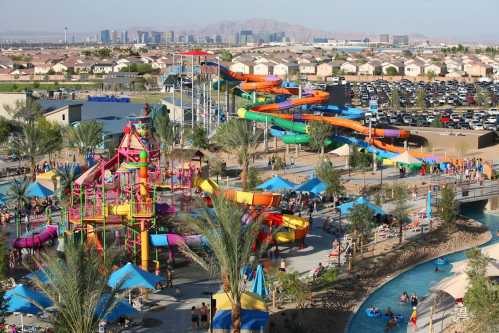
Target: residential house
{"x":242,"y":67}
{"x":83,"y":67}
{"x":414,"y":67}
{"x":325,"y":70}
{"x":453,"y":65}
{"x":307,"y":68}
{"x":42,"y":69}
{"x":348,"y":67}
{"x":396,"y":65}
{"x":60,"y":67}
{"x":477,"y":69}
{"x":438,"y":69}
{"x":372,"y":67}
{"x":263,"y":68}
{"x":284,"y":69}
{"x":102,"y":68}
{"x":6,"y":62}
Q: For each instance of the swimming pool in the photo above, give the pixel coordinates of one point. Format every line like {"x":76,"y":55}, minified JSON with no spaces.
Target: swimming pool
{"x":418,"y":279}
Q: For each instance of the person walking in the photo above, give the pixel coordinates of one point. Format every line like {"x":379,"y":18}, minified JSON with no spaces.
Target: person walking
{"x":169,"y":276}
{"x":194,"y":318}
{"x":204,"y":315}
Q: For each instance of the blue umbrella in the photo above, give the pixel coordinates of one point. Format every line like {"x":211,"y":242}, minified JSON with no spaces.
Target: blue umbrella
{"x":131,"y":276}
{"x":121,"y":309}
{"x":346,"y":207}
{"x":40,"y":275}
{"x":3,"y":199}
{"x":313,"y":185}
{"x":23,"y":299}
{"x":276,"y":183}
{"x":428,"y":206}
{"x":37,"y":190}
{"x":259,"y":287}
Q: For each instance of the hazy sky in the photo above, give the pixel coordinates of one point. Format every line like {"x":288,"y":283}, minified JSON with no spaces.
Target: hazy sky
{"x":461,"y":18}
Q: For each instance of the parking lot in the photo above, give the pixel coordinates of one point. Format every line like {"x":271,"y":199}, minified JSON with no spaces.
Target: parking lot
{"x":445,"y":103}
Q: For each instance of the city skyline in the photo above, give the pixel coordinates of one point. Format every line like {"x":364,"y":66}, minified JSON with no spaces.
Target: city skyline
{"x":385,"y":16}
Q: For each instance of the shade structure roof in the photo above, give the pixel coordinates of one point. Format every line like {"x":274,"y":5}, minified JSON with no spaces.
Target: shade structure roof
{"x":259,"y":287}
{"x":23,"y":299}
{"x":275,"y":184}
{"x":249,"y":301}
{"x":313,"y":185}
{"x":121,"y":309}
{"x":38,"y":275}
{"x":341,"y":151}
{"x":131,"y":276}
{"x":347,"y":207}
{"x":405,"y":158}
{"x":37,"y":190}
{"x":251,"y":321}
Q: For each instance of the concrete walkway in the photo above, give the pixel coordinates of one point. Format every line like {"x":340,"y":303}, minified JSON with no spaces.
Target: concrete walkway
{"x":443,"y":313}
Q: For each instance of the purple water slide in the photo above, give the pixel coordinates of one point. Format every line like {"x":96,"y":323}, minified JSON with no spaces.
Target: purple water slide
{"x":36,"y":241}
{"x":391,"y":133}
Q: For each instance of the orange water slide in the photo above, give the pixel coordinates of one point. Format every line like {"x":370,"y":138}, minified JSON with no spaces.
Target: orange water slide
{"x":347,"y":123}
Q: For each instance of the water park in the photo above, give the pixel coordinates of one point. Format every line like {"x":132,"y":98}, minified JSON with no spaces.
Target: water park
{"x":194,"y":223}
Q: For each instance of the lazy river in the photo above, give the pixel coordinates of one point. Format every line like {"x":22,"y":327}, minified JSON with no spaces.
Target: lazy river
{"x":418,"y":279}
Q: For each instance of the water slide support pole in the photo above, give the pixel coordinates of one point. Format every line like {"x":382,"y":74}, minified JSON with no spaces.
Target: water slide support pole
{"x":218,"y":92}
{"x":265,"y":141}
{"x":182,"y":98}
{"x":192,"y":92}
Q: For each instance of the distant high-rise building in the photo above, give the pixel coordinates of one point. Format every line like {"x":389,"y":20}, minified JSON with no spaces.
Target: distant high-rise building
{"x":384,"y":38}
{"x":218,"y":39}
{"x":65,"y":35}
{"x":400,"y":40}
{"x":124,"y":37}
{"x":191,"y":39}
{"x":181,"y":39}
{"x":246,"y":36}
{"x":73,"y":38}
{"x":143,"y":37}
{"x":277,"y":37}
{"x":105,"y":37}
{"x":237,"y":38}
{"x":170,"y":36}
{"x":320,"y":40}
{"x":115,"y":36}
{"x":155,"y":37}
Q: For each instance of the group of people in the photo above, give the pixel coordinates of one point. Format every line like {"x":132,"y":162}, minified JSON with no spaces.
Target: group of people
{"x":199,"y":317}
{"x":413,"y":299}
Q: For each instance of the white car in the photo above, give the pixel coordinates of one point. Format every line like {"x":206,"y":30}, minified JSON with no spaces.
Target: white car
{"x":477,"y":126}
{"x":492,"y":119}
{"x":493,"y":112}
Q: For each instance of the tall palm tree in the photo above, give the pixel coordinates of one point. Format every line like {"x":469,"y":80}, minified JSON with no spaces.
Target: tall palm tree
{"x":32,"y":143}
{"x":67,"y":174}
{"x":75,"y":286}
{"x":17,"y":193}
{"x":239,"y":138}
{"x":326,"y":172}
{"x":85,"y":137}
{"x":231,"y":244}
{"x":165,"y":131}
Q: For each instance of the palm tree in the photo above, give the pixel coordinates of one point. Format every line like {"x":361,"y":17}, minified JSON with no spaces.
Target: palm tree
{"x":237,"y":138}
{"x":67,"y":174}
{"x":231,"y":243}
{"x":164,"y":130}
{"x":32,"y":143}
{"x":400,"y":212}
{"x":326,"y":172}
{"x":75,"y":286}
{"x":85,"y":137}
{"x":17,"y":194}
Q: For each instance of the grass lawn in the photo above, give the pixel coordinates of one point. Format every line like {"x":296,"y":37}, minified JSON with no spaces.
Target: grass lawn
{"x":147,"y":98}
{"x":16,"y":87}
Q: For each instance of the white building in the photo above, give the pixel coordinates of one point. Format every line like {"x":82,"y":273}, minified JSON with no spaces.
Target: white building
{"x":348,"y":67}
{"x":414,"y":67}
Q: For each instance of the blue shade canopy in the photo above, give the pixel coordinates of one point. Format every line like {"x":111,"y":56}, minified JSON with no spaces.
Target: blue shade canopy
{"x":121,"y":309}
{"x":131,"y":276}
{"x":259,"y":287}
{"x":347,"y":207}
{"x":37,"y":190}
{"x":250,"y":320}
{"x":3,"y":199}
{"x":23,"y":299}
{"x":275,"y":184}
{"x":428,"y":206}
{"x":40,"y":275}
{"x":313,"y":185}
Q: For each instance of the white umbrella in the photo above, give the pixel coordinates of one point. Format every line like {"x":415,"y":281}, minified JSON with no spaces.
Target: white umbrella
{"x":406,"y":158}
{"x":455,"y":285}
{"x":462,"y":266}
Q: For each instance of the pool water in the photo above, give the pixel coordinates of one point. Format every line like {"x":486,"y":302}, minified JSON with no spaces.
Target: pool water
{"x":419,"y":280}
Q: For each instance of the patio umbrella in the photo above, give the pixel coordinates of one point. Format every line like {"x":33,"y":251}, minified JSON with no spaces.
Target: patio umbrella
{"x":252,"y":321}
{"x":405,"y":158}
{"x":121,"y":309}
{"x":275,"y":184}
{"x":37,"y":190}
{"x":23,"y":299}
{"x":3,"y":199}
{"x":347,"y":207}
{"x":341,"y":151}
{"x":259,"y":287}
{"x":131,"y":276}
